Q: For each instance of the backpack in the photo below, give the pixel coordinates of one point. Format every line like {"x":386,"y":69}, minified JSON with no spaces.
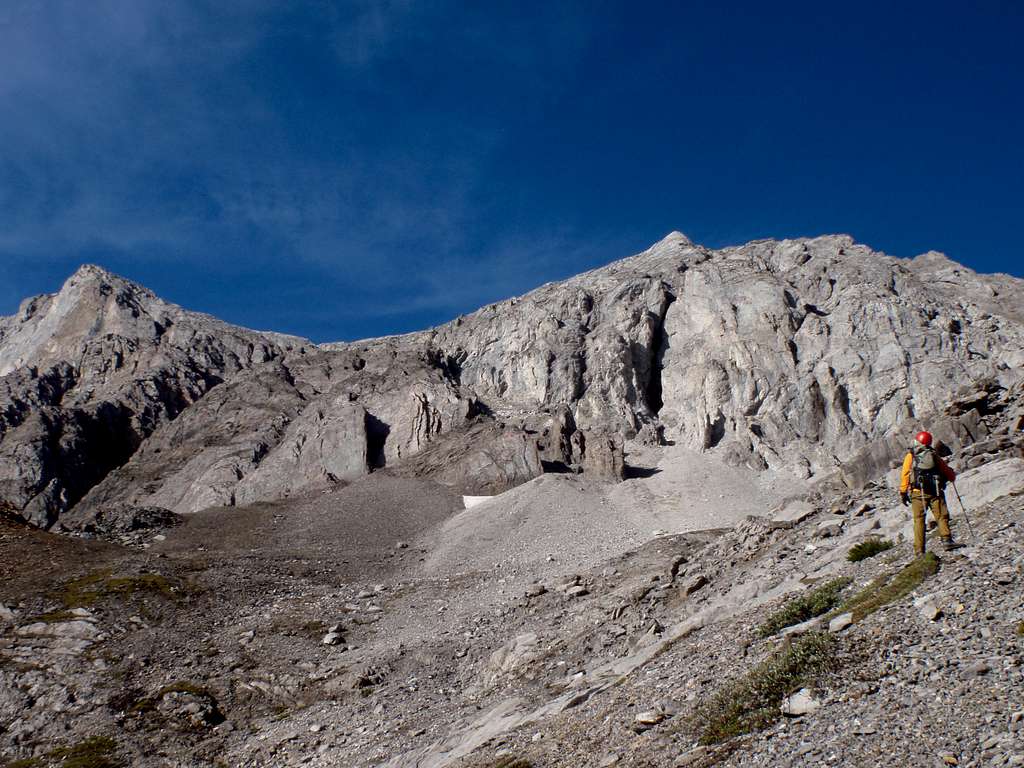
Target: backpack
{"x":927,"y":475}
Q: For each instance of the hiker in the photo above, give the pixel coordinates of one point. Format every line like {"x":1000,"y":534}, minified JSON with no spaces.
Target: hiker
{"x":923,"y":485}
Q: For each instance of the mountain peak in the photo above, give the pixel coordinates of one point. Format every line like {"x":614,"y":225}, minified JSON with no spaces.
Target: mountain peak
{"x":675,"y":237}
{"x":93,"y":272}
{"x":95,"y":275}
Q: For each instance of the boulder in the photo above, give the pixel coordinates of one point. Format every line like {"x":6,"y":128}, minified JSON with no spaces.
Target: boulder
{"x":840,"y":622}
{"x":325,"y":445}
{"x":800,"y":703}
{"x":515,"y":655}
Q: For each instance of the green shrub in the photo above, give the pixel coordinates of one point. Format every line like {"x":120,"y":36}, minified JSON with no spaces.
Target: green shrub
{"x":754,"y":701}
{"x":816,"y":602}
{"x":868,"y":548}
{"x":889,"y":588}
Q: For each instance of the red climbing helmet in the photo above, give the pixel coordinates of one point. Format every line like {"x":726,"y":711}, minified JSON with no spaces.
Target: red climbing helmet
{"x":924,"y":438}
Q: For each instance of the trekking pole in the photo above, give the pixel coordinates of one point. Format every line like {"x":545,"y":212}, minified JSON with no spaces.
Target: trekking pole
{"x":964,"y":510}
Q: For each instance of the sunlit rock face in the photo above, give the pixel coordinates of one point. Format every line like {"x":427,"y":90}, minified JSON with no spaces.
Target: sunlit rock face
{"x":793,"y":355}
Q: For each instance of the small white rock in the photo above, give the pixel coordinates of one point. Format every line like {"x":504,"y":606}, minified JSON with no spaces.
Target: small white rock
{"x":840,"y":622}
{"x":650,"y":717}
{"x":800,"y":703}
{"x":927,"y":609}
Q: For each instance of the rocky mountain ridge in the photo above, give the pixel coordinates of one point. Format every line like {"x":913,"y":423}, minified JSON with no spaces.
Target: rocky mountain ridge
{"x":793,"y":355}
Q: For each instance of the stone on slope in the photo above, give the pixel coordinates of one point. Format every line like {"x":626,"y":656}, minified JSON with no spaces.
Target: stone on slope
{"x":515,"y":655}
{"x":800,"y":703}
{"x":840,"y":622}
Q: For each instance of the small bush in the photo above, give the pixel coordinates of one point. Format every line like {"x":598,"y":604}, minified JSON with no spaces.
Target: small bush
{"x":814,"y":603}
{"x":1020,"y":629}
{"x":754,"y":701}
{"x":889,"y":588}
{"x":868,"y":548}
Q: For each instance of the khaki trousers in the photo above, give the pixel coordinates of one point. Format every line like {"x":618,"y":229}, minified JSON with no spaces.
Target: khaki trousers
{"x":937,"y":505}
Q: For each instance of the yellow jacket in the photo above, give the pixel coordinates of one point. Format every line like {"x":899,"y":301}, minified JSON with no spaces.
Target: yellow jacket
{"x":908,"y":471}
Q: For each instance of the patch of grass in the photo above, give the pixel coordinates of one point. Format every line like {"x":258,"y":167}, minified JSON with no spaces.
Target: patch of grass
{"x":1020,"y":629}
{"x":816,"y":602}
{"x":56,"y":617}
{"x":94,"y":752}
{"x":87,"y":590}
{"x":868,"y":548}
{"x":512,"y":762}
{"x":754,"y":701}
{"x":889,"y":588}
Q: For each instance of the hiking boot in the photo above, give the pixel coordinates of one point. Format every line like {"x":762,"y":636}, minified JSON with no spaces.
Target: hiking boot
{"x":950,"y":545}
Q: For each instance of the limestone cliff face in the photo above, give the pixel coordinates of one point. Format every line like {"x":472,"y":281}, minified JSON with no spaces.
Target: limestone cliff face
{"x":86,"y":375}
{"x":792,"y":355}
{"x":110,"y":396}
{"x":787,"y":354}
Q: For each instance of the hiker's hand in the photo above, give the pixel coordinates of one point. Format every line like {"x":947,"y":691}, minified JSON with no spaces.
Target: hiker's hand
{"x":905,"y":498}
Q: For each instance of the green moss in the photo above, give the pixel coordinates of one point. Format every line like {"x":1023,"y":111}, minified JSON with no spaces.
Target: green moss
{"x":888,"y":588}
{"x":868,"y":548}
{"x":87,"y":590}
{"x":754,"y":701}
{"x":816,"y":602}
{"x":1020,"y":629}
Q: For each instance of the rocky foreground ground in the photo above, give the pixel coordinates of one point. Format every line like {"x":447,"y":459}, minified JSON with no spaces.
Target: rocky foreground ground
{"x":293,"y":637}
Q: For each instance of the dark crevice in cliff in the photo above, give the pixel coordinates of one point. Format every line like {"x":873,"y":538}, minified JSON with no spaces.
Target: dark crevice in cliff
{"x":376,"y":437}
{"x":714,"y":431}
{"x":659,"y":345}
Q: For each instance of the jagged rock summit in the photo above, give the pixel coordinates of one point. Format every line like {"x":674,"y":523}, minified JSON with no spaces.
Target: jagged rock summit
{"x":795,"y":356}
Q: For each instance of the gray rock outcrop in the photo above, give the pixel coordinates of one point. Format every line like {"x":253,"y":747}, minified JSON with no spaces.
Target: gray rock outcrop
{"x":783,"y":354}
{"x":815,"y":356}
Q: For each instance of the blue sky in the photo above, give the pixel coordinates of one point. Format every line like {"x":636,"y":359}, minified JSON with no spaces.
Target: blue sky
{"x":347,"y":169}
